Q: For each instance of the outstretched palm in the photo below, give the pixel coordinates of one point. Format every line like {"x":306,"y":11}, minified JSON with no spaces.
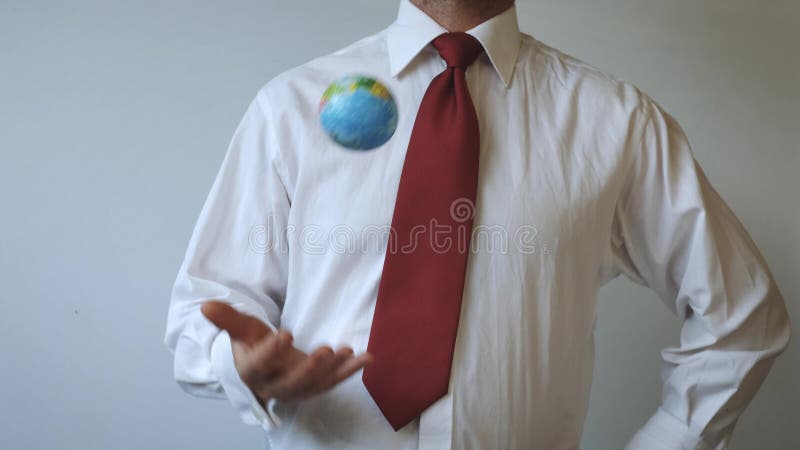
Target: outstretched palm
{"x":271,"y":366}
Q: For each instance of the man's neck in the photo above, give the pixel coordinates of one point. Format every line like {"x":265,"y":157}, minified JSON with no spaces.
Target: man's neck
{"x":461,"y":15}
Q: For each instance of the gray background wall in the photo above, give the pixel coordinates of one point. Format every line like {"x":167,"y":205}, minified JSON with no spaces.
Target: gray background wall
{"x":114,"y":117}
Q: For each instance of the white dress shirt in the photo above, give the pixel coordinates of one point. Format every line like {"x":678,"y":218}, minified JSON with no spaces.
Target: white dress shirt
{"x":582,"y":177}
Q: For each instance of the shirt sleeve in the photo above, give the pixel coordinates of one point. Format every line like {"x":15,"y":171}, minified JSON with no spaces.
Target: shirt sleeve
{"x":237,"y":254}
{"x":673,"y":233}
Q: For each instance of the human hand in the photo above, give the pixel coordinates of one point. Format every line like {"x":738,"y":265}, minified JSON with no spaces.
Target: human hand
{"x":271,"y":366}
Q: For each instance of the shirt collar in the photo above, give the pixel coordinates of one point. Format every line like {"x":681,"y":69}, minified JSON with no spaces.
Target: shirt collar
{"x":413,"y":30}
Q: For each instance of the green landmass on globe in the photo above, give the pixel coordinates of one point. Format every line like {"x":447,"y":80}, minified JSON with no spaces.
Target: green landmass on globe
{"x":358,"y":112}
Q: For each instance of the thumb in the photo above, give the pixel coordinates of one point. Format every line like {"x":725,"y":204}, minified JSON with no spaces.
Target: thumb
{"x":242,"y":327}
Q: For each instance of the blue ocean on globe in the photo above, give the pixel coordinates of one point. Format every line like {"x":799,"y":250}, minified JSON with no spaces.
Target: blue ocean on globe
{"x":358,"y":112}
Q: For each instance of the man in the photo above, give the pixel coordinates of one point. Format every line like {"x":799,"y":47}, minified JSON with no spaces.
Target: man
{"x":561,"y":176}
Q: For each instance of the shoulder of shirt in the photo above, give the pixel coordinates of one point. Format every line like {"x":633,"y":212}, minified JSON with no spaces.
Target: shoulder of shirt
{"x":284,"y":86}
{"x":565,"y":71}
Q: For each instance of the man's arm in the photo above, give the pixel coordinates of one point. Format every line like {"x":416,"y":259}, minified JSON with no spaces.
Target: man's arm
{"x":232,"y":257}
{"x":673,"y":233}
{"x":230,"y":288}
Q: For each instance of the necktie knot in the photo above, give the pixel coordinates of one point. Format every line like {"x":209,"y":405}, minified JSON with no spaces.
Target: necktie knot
{"x":458,"y":49}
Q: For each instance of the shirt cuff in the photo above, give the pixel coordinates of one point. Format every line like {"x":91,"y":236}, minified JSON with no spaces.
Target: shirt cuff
{"x":665,"y":432}
{"x":240,"y":396}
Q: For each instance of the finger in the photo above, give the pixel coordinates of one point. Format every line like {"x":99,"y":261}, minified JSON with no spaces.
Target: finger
{"x":342,"y":355}
{"x":325,"y":363}
{"x":239,"y":326}
{"x":328,"y":376}
{"x":292,"y":383}
{"x":345,"y":370}
{"x":285,"y":339}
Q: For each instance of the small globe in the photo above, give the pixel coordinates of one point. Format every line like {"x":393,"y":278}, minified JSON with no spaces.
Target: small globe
{"x":358,"y":112}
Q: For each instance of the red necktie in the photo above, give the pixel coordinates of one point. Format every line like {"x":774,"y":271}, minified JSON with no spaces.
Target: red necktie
{"x":419,"y":297}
